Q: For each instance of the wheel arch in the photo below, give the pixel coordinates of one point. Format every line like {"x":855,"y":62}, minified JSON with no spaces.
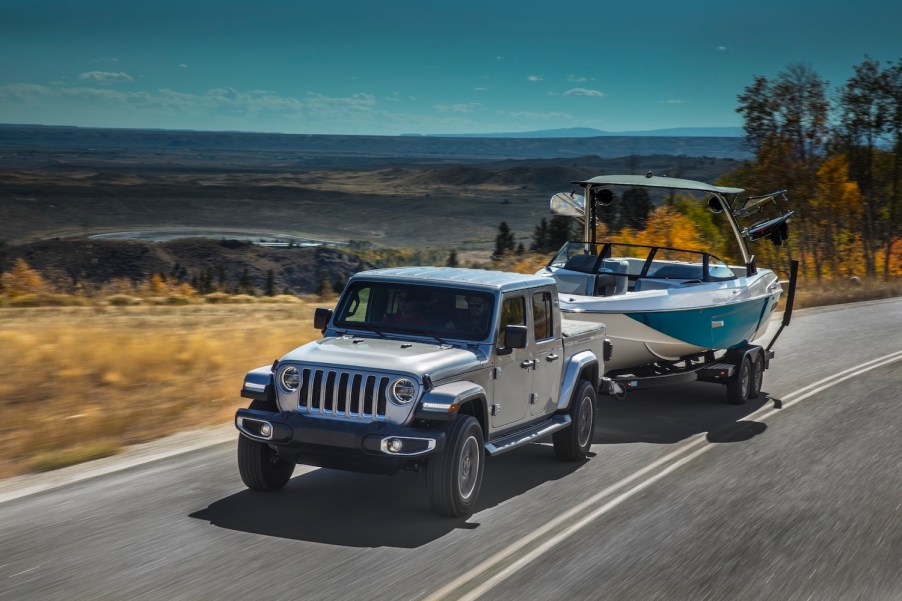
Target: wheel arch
{"x":582,"y":367}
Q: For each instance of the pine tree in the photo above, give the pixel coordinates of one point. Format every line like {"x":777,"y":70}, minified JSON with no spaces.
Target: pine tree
{"x":504,"y":241}
{"x":540,"y":237}
{"x":452,"y":259}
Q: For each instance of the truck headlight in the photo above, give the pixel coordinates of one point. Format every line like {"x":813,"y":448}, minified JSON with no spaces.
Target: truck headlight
{"x":290,"y":378}
{"x":403,"y":390}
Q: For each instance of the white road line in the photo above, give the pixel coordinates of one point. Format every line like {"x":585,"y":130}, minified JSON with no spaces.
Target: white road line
{"x":679,"y":458}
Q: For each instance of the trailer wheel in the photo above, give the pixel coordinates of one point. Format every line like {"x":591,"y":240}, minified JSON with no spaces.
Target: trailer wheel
{"x":573,"y":443}
{"x":757,"y":375}
{"x":739,"y":386}
{"x":455,"y":475}
{"x":259,"y":465}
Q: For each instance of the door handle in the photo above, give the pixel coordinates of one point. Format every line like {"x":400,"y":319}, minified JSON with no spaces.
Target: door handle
{"x":528,"y":363}
{"x":552,"y":357}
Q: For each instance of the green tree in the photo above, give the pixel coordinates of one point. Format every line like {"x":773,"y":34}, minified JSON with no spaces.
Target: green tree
{"x":270,"y":286}
{"x":635,"y":207}
{"x":452,"y":259}
{"x":504,"y":242}
{"x":560,"y":231}
{"x":540,"y":237}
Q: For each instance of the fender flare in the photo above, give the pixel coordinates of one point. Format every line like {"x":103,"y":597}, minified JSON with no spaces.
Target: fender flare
{"x":576,"y":366}
{"x":443,"y":402}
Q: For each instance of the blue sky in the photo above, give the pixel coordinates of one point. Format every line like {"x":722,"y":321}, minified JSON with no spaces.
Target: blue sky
{"x":388,"y":67}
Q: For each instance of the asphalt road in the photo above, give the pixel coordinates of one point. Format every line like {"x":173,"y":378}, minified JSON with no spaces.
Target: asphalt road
{"x":684,"y":497}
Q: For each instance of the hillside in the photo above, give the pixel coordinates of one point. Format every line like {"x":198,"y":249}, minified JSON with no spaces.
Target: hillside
{"x":90,"y":203}
{"x":98,"y":262}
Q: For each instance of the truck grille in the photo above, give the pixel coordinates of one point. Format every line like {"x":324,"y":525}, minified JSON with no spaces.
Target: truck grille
{"x":347,"y":394}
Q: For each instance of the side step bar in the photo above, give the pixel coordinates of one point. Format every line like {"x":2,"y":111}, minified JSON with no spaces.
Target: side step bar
{"x":521,"y":437}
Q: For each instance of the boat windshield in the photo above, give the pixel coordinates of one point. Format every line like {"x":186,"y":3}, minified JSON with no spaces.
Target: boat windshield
{"x":437,"y":312}
{"x":636,"y":260}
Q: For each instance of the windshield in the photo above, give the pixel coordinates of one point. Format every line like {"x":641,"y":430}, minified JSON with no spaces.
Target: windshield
{"x":436,"y":311}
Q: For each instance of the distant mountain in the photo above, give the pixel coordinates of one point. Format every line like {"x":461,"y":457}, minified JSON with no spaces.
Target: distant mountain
{"x":26,"y":144}
{"x":588,"y":132}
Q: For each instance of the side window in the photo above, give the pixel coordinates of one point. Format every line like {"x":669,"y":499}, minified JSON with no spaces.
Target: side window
{"x":542,"y":320}
{"x":513,"y":312}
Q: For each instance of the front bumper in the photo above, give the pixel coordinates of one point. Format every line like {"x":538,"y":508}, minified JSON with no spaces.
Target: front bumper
{"x":368,"y":447}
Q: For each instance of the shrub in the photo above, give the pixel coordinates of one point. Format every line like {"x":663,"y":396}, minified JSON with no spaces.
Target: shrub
{"x":123,"y":300}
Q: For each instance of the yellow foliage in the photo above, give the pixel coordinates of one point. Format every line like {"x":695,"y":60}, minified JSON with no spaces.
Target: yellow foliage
{"x":22,"y":280}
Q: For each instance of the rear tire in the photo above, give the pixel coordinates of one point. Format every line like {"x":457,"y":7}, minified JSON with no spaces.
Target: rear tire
{"x":573,"y":443}
{"x":739,"y":386}
{"x":757,"y":375}
{"x":455,"y":475}
{"x":259,"y":465}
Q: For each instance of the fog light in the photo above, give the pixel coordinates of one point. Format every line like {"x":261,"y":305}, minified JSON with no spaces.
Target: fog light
{"x":265,"y":430}
{"x":394,"y":445}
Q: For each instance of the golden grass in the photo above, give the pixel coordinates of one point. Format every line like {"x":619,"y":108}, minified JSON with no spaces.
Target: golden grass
{"x":77,"y":383}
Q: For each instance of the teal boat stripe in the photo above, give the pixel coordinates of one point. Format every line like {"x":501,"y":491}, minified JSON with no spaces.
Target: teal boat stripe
{"x":694,"y":326}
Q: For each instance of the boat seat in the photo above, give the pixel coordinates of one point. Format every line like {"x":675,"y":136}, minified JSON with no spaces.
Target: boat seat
{"x":678,"y":272}
{"x":581,"y":263}
{"x":612,"y":279}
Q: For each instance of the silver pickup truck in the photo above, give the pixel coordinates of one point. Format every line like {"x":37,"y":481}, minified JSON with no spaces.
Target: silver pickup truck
{"x":426,"y":367}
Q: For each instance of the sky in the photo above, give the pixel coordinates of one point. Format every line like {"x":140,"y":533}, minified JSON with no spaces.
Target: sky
{"x":391,"y":67}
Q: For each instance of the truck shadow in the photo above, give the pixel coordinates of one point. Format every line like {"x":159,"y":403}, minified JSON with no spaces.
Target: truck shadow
{"x":671,"y":414}
{"x":361,"y":510}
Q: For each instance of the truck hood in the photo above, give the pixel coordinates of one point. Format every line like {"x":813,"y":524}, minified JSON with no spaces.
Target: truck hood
{"x":384,"y":355}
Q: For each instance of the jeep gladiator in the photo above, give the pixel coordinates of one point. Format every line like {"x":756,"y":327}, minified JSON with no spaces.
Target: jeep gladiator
{"x":426,"y":368}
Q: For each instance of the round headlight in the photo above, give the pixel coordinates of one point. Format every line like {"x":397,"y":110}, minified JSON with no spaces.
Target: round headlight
{"x":290,"y":379}
{"x":403,"y":391}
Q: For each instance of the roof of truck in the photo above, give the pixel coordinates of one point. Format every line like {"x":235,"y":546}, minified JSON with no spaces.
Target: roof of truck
{"x":451,"y":276}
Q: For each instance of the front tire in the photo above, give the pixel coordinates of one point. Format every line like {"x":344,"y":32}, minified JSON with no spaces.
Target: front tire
{"x":455,"y":475}
{"x":259,"y":465}
{"x":573,"y":443}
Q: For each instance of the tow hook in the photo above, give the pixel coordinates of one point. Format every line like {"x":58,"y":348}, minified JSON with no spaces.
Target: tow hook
{"x":614,"y":389}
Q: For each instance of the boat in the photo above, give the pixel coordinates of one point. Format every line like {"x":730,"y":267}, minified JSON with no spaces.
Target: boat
{"x":665,"y":306}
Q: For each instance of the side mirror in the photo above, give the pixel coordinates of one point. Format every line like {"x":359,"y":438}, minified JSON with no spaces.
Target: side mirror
{"x":321,"y":318}
{"x":714,"y":205}
{"x":515,"y":336}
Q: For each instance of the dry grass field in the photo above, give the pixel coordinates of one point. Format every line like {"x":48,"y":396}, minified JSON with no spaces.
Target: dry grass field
{"x":78,"y":383}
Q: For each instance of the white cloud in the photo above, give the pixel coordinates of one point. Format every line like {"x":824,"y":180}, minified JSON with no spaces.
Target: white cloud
{"x":183,"y":66}
{"x":535,"y":78}
{"x":584,"y":92}
{"x":462,"y":107}
{"x":721,"y":48}
{"x":673,"y":101}
{"x":105,"y":76}
{"x":576,"y":79}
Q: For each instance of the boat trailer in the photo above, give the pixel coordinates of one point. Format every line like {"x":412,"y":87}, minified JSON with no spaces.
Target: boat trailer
{"x":741,"y":369}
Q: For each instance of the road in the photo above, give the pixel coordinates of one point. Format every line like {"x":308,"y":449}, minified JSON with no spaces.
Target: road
{"x":684,"y":497}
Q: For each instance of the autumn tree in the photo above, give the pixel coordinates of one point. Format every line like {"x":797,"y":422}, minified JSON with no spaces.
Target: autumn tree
{"x":836,"y":213}
{"x":21,"y":280}
{"x":786,"y":124}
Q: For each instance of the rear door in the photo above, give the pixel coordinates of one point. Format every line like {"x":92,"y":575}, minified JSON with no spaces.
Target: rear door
{"x":513,"y":370}
{"x":546,"y":351}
